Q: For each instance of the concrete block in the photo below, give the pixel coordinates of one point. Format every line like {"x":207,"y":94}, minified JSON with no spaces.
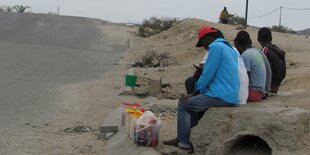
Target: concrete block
{"x":262,"y":128}
{"x":110,"y":125}
{"x":155,"y":86}
{"x":101,"y":136}
{"x":105,"y":136}
{"x":106,"y":129}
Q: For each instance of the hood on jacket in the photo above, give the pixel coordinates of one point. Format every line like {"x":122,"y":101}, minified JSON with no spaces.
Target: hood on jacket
{"x":278,"y":50}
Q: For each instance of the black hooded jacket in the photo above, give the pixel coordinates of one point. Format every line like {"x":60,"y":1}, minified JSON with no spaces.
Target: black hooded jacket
{"x":276,"y":58}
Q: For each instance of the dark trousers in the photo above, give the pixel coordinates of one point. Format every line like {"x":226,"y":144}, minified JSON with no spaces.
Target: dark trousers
{"x":224,"y":21}
{"x":190,"y":84}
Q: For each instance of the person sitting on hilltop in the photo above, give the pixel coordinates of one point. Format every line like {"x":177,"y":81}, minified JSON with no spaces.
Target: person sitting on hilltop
{"x":219,"y":85}
{"x":276,"y":58}
{"x":257,"y":66}
{"x":224,"y":15}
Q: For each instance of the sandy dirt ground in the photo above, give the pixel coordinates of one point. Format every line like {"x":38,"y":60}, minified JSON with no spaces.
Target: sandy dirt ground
{"x":179,"y":43}
{"x":87,"y":103}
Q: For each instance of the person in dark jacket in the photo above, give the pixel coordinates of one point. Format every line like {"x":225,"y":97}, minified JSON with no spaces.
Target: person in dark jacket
{"x":276,"y":58}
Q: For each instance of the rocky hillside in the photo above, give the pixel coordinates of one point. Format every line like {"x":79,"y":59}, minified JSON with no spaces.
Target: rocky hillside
{"x":305,"y":32}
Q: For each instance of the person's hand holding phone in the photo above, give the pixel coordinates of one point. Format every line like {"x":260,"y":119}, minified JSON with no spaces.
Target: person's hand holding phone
{"x":195,"y":66}
{"x":198,"y":70}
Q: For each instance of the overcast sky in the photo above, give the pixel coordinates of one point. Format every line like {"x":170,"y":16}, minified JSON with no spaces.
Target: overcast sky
{"x":137,"y":10}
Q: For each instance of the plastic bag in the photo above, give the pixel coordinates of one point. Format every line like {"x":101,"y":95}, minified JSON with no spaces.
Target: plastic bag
{"x":147,"y":130}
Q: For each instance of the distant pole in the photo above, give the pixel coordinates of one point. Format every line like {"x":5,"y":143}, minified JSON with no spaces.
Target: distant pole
{"x":58,"y":10}
{"x":280,"y":16}
{"x":246,"y":14}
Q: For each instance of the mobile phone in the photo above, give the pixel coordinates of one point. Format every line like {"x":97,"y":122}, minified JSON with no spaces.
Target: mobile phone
{"x":196,"y":66}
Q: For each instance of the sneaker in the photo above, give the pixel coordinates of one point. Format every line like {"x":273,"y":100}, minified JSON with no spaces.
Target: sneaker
{"x":188,"y":150}
{"x":272,"y":94}
{"x":172,"y":142}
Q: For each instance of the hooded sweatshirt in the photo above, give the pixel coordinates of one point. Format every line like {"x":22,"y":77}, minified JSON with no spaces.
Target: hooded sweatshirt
{"x":220,"y":77}
{"x":276,"y":58}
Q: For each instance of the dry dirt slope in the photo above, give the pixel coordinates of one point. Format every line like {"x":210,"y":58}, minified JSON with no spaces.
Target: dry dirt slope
{"x":179,"y":42}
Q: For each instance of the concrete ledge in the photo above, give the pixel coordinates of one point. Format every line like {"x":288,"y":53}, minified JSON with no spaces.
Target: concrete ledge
{"x":279,"y":130}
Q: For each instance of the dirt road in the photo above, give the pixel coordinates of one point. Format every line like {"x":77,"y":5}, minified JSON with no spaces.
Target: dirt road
{"x":46,"y":62}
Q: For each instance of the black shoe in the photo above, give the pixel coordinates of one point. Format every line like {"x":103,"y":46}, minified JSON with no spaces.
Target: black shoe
{"x":172,"y":142}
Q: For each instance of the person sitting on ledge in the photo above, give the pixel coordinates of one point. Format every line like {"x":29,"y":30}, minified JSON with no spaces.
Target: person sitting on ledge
{"x":218,"y":85}
{"x":257,"y":66}
{"x":276,"y":58}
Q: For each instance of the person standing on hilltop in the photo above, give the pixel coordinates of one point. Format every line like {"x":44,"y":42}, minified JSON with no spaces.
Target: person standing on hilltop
{"x":219,"y":85}
{"x":275,"y":56}
{"x":224,"y":16}
{"x":257,"y":67}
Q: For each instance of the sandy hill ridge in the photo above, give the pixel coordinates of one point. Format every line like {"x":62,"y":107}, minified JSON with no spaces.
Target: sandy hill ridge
{"x":304,"y":32}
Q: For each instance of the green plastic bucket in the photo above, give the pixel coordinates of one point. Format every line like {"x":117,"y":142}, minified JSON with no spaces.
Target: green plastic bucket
{"x":130,"y":80}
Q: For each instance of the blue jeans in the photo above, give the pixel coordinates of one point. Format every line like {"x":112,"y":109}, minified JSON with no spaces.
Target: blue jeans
{"x":190,"y":112}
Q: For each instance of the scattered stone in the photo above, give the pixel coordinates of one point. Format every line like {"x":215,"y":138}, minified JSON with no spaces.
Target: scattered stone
{"x":172,"y":151}
{"x":27,"y":124}
{"x":159,"y":108}
{"x":138,"y":64}
{"x":169,"y":151}
{"x":161,"y":69}
{"x":292,"y":64}
{"x":149,"y":101}
{"x":77,"y":129}
{"x":126,"y":92}
{"x":240,"y":27}
{"x":173,"y":97}
{"x":156,"y":108}
{"x":141,"y":92}
{"x":35,"y":126}
{"x":165,"y":83}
